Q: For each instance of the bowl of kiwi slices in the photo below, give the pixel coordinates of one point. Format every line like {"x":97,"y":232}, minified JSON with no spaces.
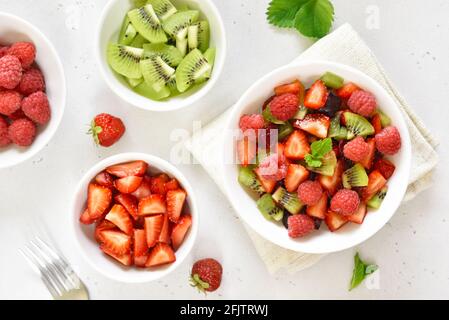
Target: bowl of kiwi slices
{"x":161,"y":55}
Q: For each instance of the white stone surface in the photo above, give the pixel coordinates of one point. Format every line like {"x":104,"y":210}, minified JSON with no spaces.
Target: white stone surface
{"x":411,"y":43}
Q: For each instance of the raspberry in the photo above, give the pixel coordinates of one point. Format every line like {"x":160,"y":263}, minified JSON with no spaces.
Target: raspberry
{"x":36,"y":107}
{"x":22,"y":132}
{"x":9,"y":102}
{"x":345,"y":202}
{"x":4,"y":139}
{"x":32,"y":81}
{"x":252,"y":121}
{"x":310,"y":192}
{"x":3,"y":51}
{"x":388,"y":141}
{"x":363,"y":103}
{"x":24,"y":51}
{"x":356,"y":150}
{"x":300,"y":225}
{"x":17,"y":115}
{"x":285,"y":106}
{"x":273,"y":167}
{"x":10,"y":72}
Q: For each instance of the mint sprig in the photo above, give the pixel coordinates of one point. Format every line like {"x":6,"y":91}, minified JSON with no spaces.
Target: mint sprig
{"x":318,"y":150}
{"x":361,"y":271}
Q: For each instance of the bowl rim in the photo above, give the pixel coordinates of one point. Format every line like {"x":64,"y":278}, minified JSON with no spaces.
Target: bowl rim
{"x":60,"y":68}
{"x":155,"y":162}
{"x":153,"y":105}
{"x":237,"y":109}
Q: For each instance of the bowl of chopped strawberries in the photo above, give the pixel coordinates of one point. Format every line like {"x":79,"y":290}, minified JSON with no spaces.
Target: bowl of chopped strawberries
{"x":317,"y":157}
{"x":134,"y":217}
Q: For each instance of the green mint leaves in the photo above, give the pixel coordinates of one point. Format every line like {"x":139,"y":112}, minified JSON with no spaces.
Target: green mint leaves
{"x":361,"y":271}
{"x":312,"y":18}
{"x":318,"y":150}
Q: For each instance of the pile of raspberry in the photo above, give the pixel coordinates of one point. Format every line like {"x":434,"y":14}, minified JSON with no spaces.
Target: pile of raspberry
{"x":23,"y":102}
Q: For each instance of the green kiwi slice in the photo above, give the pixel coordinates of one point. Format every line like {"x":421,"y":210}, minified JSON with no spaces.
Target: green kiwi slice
{"x":139,"y":3}
{"x":248,"y":179}
{"x":147,"y":23}
{"x":181,"y":45}
{"x":177,"y":25}
{"x":209,"y":55}
{"x":156,"y":72}
{"x":378,"y":198}
{"x":163,"y":8}
{"x":138,"y":41}
{"x":147,"y":91}
{"x":269,"y":209}
{"x":134,"y":82}
{"x":355,"y":177}
{"x":268,"y":116}
{"x":289,"y":201}
{"x":301,"y":114}
{"x":193,"y":67}
{"x":331,"y":80}
{"x":329,"y":163}
{"x":125,"y":60}
{"x":198,"y":35}
{"x":357,"y":125}
{"x":127,"y":32}
{"x":169,"y":54}
{"x":337,"y":131}
{"x":285,"y":130}
{"x":384,"y":119}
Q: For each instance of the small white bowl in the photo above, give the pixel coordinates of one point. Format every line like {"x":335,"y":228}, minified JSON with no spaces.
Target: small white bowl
{"x":108,"y":29}
{"x":14,"y":29}
{"x":84,"y":235}
{"x":322,"y":241}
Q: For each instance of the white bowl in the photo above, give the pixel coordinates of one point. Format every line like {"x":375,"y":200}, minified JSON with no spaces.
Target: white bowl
{"x":84,"y":235}
{"x":322,"y":241}
{"x":108,"y":29}
{"x":14,"y":29}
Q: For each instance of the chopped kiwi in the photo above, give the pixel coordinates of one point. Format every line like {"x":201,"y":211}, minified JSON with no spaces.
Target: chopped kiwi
{"x":125,"y":60}
{"x":139,"y":3}
{"x":156,"y":72}
{"x":192,"y":68}
{"x":138,"y":41}
{"x":357,"y":125}
{"x":384,"y":119}
{"x":148,"y":91}
{"x":268,"y":116}
{"x":285,"y":130}
{"x":331,"y":80}
{"x":163,"y":8}
{"x":329,"y":163}
{"x":337,"y":131}
{"x":181,"y":44}
{"x":301,"y":114}
{"x":248,"y":178}
{"x":171,"y":85}
{"x":134,"y":82}
{"x":183,"y":7}
{"x":355,"y":177}
{"x":378,"y":198}
{"x":289,"y":201}
{"x":177,"y":25}
{"x":269,"y":209}
{"x":198,"y":35}
{"x":127,"y":32}
{"x":210,"y":57}
{"x":169,"y":54}
{"x":147,"y":23}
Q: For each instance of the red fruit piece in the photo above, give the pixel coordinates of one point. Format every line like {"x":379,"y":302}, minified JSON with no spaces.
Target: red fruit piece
{"x":157,"y":184}
{"x":367,"y":162}
{"x":285,"y":106}
{"x":316,"y":124}
{"x":206,"y":275}
{"x":246,"y":150}
{"x":4,"y":139}
{"x":175,"y":203}
{"x":85,"y":217}
{"x":125,"y":259}
{"x":359,"y":215}
{"x":318,"y":210}
{"x":140,"y":248}
{"x":103,"y":225}
{"x":116,"y":241}
{"x":347,"y":90}
{"x":296,"y":146}
{"x":273,"y":167}
{"x":363,"y":103}
{"x":296,"y":87}
{"x":172,"y":184}
{"x":356,"y":149}
{"x":3,"y":51}
{"x":180,"y":230}
{"x":98,"y":200}
{"x":37,"y":108}
{"x":10,"y":72}
{"x":388,"y":141}
{"x":120,"y":217}
{"x":166,"y":230}
{"x":310,"y":192}
{"x":144,"y":190}
{"x":332,"y":184}
{"x":252,"y":122}
{"x":17,"y":115}
{"x":104,"y":179}
{"x":153,"y":204}
{"x":300,"y":225}
{"x":316,"y":96}
{"x":135,"y":168}
{"x":32,"y":81}
{"x":377,"y":123}
{"x":129,"y":203}
{"x":10,"y":102}
{"x":128,"y":184}
{"x":345,"y":202}
{"x":153,"y":228}
{"x":296,"y":174}
{"x":22,"y":132}
{"x":106,"y":129}
{"x":385,"y":167}
{"x":376,"y":181}
{"x":161,"y":254}
{"x":268,"y":185}
{"x":24,"y":51}
{"x":334,"y":221}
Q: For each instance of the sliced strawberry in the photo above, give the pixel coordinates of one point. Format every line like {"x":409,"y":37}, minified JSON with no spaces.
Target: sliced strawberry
{"x":117,"y":241}
{"x":166,"y":230}
{"x":120,"y":217}
{"x":124,"y":259}
{"x":296,"y":174}
{"x":135,"y":168}
{"x":376,"y":182}
{"x":320,"y":209}
{"x":153,"y":228}
{"x":128,"y":184}
{"x":129,"y":203}
{"x":85,"y":217}
{"x":385,"y":167}
{"x":161,"y":254}
{"x":153,"y":204}
{"x":157,"y":184}
{"x":268,"y":185}
{"x":280,"y":149}
{"x":316,"y":96}
{"x":246,"y":151}
{"x":377,"y":123}
{"x":359,"y":216}
{"x":103,"y":225}
{"x":175,"y":203}
{"x":296,"y":146}
{"x":180,"y":230}
{"x":367,"y":163}
{"x":104,"y":179}
{"x":347,"y":90}
{"x":98,"y":200}
{"x":332,"y":184}
{"x":140,"y":248}
{"x":316,"y":124}
{"x":296,"y":87}
{"x":172,"y":184}
{"x":334,"y":221}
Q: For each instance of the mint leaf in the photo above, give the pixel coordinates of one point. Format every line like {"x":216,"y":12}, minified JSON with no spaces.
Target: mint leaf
{"x":314,"y":19}
{"x":282,"y":13}
{"x":320,"y":148}
{"x":361,"y":270}
{"x":312,"y":161}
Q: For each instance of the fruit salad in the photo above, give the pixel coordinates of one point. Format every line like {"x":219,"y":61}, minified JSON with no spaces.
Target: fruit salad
{"x":140,"y":219}
{"x":317,"y":155}
{"x":162,"y":50}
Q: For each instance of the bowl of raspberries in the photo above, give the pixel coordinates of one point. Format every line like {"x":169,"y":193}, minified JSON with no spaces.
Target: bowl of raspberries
{"x":317,"y":157}
{"x":32,"y":90}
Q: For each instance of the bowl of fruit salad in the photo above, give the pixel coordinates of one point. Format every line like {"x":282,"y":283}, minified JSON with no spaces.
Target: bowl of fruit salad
{"x":134,"y":217}
{"x":161,"y":55}
{"x":317,"y":157}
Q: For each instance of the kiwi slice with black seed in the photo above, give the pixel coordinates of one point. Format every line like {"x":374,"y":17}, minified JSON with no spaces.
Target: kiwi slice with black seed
{"x":328,"y":165}
{"x":269,"y":209}
{"x":127,"y":32}
{"x":378,"y":198}
{"x":337,"y":131}
{"x":163,"y":8}
{"x":288,"y":200}
{"x":192,"y":68}
{"x":138,"y":41}
{"x":148,"y":91}
{"x":156,"y":72}
{"x":357,"y":125}
{"x":198,"y":35}
{"x":248,"y":178}
{"x":169,"y":54}
{"x":285,"y":130}
{"x":355,"y":177}
{"x":209,"y":55}
{"x":147,"y":23}
{"x":125,"y":60}
{"x":177,"y":25}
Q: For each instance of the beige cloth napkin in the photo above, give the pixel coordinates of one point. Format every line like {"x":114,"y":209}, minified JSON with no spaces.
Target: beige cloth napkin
{"x":344,"y":46}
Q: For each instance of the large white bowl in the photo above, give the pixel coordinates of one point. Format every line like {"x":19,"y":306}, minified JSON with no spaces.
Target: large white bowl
{"x":14,"y":29}
{"x":322,"y":241}
{"x":108,"y":29}
{"x":84,"y":235}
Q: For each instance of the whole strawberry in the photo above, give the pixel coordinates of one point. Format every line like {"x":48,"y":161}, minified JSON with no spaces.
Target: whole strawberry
{"x":206,"y":275}
{"x":106,"y":129}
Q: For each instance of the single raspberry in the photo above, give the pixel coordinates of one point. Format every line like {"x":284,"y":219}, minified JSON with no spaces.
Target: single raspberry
{"x":17,"y":115}
{"x":285,"y":106}
{"x":9,"y":102}
{"x":363,"y":103}
{"x":274,"y":167}
{"x":356,"y":150}
{"x":10,"y":72}
{"x":24,"y":51}
{"x":3,"y":51}
{"x":22,"y":132}
{"x":252,"y":121}
{"x":32,"y":81}
{"x":345,"y":202}
{"x":37,"y":108}
{"x":310,"y":192}
{"x":388,"y":141}
{"x":300,"y":225}
{"x":4,"y":139}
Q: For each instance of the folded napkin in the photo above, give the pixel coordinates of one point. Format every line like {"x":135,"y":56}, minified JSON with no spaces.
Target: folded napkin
{"x":344,"y":46}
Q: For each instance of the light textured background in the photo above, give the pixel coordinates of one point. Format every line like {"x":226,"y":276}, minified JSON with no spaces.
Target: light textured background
{"x":412,"y":45}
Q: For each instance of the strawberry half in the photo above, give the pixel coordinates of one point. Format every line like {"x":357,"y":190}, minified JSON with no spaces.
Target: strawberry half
{"x":359,"y":216}
{"x":143,"y":190}
{"x":153,"y":204}
{"x":367,"y":163}
{"x":103,"y":225}
{"x":296,"y":87}
{"x":175,"y":203}
{"x":161,"y":254}
{"x":153,"y":228}
{"x":296,"y":174}
{"x":157,"y":184}
{"x":376,"y":182}
{"x":128,"y":184}
{"x":98,"y":200}
{"x":334,"y":221}
{"x":172,"y":184}
{"x":296,"y":146}
{"x":85,"y":217}
{"x":246,"y":151}
{"x":268,"y":185}
{"x":165,"y":232}
{"x":140,"y":248}
{"x":124,"y":259}
{"x":135,"y":168}
{"x":180,"y":230}
{"x":116,"y":241}
{"x":316,"y":96}
{"x":385,"y":167}
{"x":120,"y":217}
{"x":316,"y":124}
{"x":104,"y":179}
{"x":320,"y":209}
{"x":129,"y":203}
{"x":347,"y":90}
{"x":333,"y":183}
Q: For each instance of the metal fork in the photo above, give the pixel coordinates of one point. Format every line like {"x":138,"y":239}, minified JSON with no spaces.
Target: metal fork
{"x":55,"y":272}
